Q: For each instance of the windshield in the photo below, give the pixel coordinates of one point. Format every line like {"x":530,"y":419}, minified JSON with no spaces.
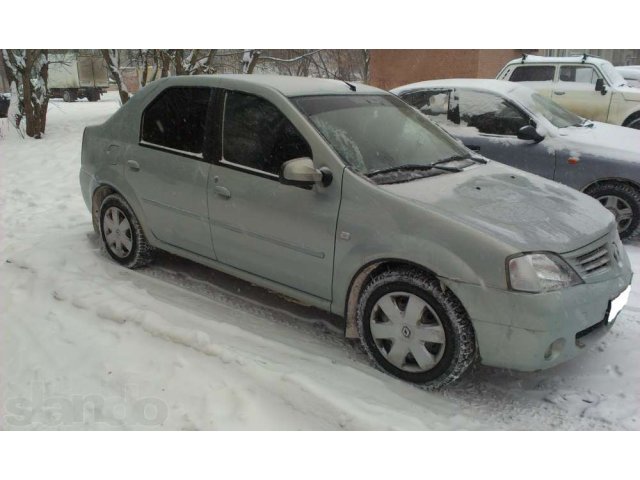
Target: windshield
{"x":557,"y":115}
{"x":613,"y":75}
{"x":380,"y":132}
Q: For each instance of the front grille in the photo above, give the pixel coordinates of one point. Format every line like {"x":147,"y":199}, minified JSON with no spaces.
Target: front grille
{"x":593,"y":262}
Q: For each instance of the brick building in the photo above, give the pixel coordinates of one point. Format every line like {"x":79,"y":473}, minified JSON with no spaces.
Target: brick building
{"x":392,"y":68}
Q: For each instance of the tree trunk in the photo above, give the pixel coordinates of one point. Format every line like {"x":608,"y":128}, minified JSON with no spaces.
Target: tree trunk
{"x":112,"y":59}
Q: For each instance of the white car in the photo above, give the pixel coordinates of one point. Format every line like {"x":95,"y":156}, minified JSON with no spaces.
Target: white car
{"x":631,"y":73}
{"x":588,"y":86}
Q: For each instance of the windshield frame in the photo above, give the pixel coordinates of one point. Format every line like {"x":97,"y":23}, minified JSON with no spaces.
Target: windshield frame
{"x":432,"y":128}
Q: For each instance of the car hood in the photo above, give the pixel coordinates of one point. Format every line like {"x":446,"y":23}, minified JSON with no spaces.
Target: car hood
{"x":609,"y":141}
{"x":520,"y":209}
{"x":630,"y":94}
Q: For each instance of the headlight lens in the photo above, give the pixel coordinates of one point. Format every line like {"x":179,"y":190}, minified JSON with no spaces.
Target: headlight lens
{"x":540,"y":272}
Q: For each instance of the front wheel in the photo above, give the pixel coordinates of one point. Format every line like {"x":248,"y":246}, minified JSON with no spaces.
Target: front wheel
{"x":415,"y":330}
{"x":623,"y":201}
{"x":121,"y":233}
{"x":633,"y":123}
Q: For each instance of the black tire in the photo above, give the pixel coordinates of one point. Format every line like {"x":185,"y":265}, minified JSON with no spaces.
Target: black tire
{"x":140,"y":253}
{"x":628,"y":195}
{"x":460,"y":346}
{"x":93,"y":96}
{"x":633,"y":122}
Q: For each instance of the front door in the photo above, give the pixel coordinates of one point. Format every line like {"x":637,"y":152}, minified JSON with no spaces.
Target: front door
{"x":576,"y":91}
{"x":280,"y":232}
{"x":490,"y":123}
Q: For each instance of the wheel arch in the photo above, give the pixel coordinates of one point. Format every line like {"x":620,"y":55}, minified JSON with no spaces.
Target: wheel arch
{"x":102,"y":191}
{"x":600,"y":181}
{"x":631,"y":117}
{"x":360,"y":280}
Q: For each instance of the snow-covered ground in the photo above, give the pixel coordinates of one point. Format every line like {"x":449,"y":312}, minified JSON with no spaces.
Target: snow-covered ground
{"x":86,"y":344}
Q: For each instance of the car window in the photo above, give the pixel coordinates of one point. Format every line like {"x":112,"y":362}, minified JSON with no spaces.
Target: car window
{"x":434,"y":103}
{"x":176,"y":119}
{"x":533,"y":73}
{"x":258,"y":136}
{"x":489,"y":113}
{"x":578,"y":74}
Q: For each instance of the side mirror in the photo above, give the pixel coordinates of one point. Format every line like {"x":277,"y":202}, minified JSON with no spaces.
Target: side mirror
{"x":300,"y":172}
{"x":600,"y":86}
{"x":528,"y":132}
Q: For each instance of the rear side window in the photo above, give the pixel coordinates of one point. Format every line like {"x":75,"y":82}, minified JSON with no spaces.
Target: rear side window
{"x":257,"y":135}
{"x":533,"y":73}
{"x":489,"y":113}
{"x":176,"y":119}
{"x":434,"y":103}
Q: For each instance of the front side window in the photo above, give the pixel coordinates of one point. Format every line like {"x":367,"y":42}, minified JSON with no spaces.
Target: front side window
{"x":578,"y":74}
{"x":377,"y":132}
{"x":434,"y":103}
{"x":490,"y":113}
{"x":539,"y":105}
{"x":533,"y":73}
{"x":176,"y":119}
{"x":258,"y":136}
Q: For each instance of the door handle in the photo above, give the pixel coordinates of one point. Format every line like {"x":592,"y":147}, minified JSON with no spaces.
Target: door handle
{"x":559,"y":93}
{"x":222,"y":191}
{"x":133,"y":165}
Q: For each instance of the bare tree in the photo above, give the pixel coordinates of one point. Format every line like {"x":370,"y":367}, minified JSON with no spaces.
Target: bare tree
{"x":249,"y":60}
{"x":112,"y":58}
{"x":29,"y":70}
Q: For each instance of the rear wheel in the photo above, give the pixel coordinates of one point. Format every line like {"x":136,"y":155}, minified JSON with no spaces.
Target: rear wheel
{"x":69,"y":96}
{"x":93,"y":95}
{"x":415,"y":330}
{"x":623,"y":201}
{"x":122,"y":235}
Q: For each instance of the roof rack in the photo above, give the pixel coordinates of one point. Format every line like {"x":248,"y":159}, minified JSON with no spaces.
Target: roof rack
{"x":524,"y":57}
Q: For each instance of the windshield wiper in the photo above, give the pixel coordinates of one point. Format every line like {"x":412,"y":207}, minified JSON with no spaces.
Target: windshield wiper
{"x":459,"y":157}
{"x":411,"y":166}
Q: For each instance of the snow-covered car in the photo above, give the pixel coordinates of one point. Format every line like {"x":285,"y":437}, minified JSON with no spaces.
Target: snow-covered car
{"x":345,"y":198}
{"x":631,"y":74}
{"x":588,"y":86}
{"x":513,"y":124}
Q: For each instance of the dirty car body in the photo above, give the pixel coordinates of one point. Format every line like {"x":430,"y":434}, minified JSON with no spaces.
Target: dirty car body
{"x":345,"y":198}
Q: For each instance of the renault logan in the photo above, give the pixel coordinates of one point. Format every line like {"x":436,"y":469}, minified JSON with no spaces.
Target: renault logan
{"x":344,"y":197}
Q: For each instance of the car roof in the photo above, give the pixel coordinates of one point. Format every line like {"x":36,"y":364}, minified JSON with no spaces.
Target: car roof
{"x":289,"y":86}
{"x":499,"y":86}
{"x":570,"y":59}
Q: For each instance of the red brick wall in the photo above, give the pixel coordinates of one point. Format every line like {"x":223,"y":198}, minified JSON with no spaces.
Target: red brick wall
{"x":393,"y":68}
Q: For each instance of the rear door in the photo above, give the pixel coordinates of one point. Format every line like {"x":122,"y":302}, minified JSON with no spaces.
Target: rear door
{"x":167,"y":169}
{"x":576,"y":91}
{"x":539,"y":77}
{"x":280,"y":232}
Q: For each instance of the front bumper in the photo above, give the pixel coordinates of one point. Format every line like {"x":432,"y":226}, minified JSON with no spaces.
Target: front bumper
{"x":516,"y":330}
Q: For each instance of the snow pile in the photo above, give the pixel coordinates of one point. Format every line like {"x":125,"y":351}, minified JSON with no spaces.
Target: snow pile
{"x":87,"y":344}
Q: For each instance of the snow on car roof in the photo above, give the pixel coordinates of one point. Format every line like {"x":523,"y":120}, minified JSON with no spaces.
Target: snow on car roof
{"x":289,"y":86}
{"x":500,"y":86}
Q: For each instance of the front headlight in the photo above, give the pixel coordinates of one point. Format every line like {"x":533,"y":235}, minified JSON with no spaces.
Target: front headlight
{"x":540,"y":272}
